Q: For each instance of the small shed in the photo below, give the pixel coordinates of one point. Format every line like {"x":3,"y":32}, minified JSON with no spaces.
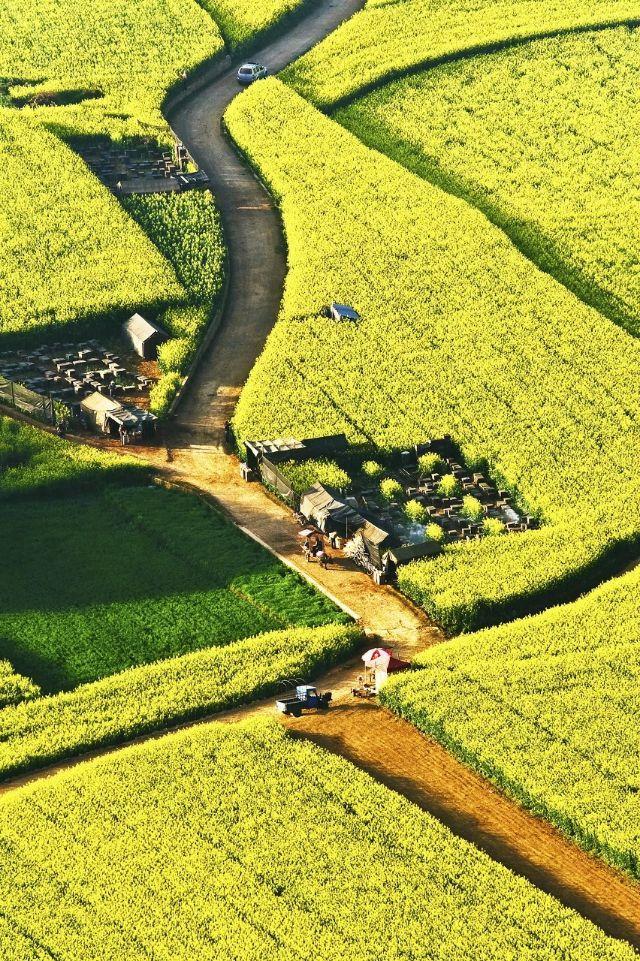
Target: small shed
{"x":282,"y":448}
{"x":376,"y":541}
{"x":197,"y":180}
{"x":108,"y":415}
{"x":412,"y":552}
{"x":288,"y":448}
{"x":144,"y":335}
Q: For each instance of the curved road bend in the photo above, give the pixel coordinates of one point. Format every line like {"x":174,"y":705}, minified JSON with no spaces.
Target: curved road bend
{"x":253,"y":232}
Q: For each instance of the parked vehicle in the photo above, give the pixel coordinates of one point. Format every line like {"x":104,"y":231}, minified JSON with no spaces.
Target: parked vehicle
{"x":305,"y":698}
{"x":249,"y":72}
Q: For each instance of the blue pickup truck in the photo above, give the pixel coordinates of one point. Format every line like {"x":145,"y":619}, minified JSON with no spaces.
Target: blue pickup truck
{"x":306,"y":698}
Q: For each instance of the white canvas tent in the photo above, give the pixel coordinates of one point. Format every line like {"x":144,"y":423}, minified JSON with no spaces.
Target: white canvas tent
{"x":144,"y":335}
{"x":381,"y":662}
{"x":108,"y":415}
{"x":98,"y":409}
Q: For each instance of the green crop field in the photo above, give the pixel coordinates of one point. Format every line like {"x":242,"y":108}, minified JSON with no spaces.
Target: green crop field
{"x":547,"y":708}
{"x":33,"y":463}
{"x":460,"y":334}
{"x":71,"y":258}
{"x":387,"y":39}
{"x":60,"y":260}
{"x":241,"y":21}
{"x":142,"y":605}
{"x":558,"y":171}
{"x":238,"y":842}
{"x":101,"y":583}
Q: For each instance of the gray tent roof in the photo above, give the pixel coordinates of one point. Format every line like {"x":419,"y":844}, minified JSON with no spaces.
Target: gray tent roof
{"x":373,"y":534}
{"x":99,"y":402}
{"x":410,"y":552}
{"x":115,"y":411}
{"x":143,"y":329}
{"x":318,"y":498}
{"x":319,"y":503}
{"x":274,"y":446}
{"x":342,"y":513}
{"x":124,"y":417}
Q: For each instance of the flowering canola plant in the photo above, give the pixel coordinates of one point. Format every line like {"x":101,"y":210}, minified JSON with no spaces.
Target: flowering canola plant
{"x":547,"y":707}
{"x":236,"y":841}
{"x":39,"y":730}
{"x":14,"y":687}
{"x":242,"y":21}
{"x":460,"y":334}
{"x":540,"y":137}
{"x":387,"y":39}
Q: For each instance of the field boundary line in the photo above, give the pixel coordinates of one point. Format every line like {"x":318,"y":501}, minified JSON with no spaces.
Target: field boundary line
{"x":542,"y":251}
{"x":210,"y":334}
{"x":464,"y":53}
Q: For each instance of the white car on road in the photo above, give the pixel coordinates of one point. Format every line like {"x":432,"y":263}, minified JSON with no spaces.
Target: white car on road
{"x":249,"y":72}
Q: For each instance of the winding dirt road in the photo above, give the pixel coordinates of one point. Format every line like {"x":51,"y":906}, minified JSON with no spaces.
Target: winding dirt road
{"x":372,"y":738}
{"x":388,"y":748}
{"x":257,"y":253}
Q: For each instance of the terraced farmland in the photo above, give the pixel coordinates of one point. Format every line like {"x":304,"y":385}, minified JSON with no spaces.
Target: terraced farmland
{"x":60,"y":264}
{"x":71,"y":259}
{"x":145,"y":604}
{"x":473,"y":197}
{"x":388,"y":39}
{"x":547,"y":708}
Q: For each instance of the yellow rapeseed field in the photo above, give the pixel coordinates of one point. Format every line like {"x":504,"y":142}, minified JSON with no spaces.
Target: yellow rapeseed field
{"x":237,"y":842}
{"x":460,"y":334}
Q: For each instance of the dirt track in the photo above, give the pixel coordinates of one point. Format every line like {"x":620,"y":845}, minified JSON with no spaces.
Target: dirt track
{"x":253,"y":232}
{"x":396,"y":754}
{"x":388,"y":748}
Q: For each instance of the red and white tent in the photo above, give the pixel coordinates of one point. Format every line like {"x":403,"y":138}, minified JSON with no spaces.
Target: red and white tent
{"x":382,"y":659}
